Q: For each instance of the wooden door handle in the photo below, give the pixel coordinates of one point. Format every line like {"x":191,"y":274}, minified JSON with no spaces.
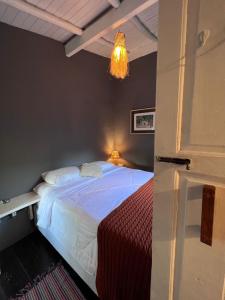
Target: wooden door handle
{"x":208,"y":201}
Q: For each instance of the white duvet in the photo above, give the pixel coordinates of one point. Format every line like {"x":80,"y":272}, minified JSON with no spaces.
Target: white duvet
{"x":73,"y":211}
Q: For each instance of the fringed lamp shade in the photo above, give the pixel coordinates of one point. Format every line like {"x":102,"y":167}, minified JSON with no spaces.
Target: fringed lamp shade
{"x":119,"y":57}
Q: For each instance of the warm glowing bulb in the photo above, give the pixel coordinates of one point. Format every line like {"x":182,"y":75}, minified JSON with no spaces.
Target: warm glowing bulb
{"x":117,"y":52}
{"x":115,"y":154}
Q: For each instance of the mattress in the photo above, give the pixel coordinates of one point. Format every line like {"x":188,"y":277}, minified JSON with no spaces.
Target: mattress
{"x":69,"y":215}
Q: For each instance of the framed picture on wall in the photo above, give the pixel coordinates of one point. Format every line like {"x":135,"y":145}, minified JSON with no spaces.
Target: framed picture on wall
{"x":142,"y":121}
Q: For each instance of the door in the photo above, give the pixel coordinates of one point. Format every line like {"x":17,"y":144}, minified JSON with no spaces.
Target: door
{"x":188,"y":246}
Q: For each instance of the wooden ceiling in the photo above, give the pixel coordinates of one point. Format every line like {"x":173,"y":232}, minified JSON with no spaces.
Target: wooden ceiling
{"x":87,"y":24}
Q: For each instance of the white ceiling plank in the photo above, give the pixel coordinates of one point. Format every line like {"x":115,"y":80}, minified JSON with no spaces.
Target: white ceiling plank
{"x":47,"y":29}
{"x":43,"y":15}
{"x":133,"y":36}
{"x":78,"y":5}
{"x":80,"y":10}
{"x":114,"y":3}
{"x":80,"y":13}
{"x":99,"y":49}
{"x":51,"y":31}
{"x":144,"y":29}
{"x":37,"y":25}
{"x":69,"y":6}
{"x":20,"y":19}
{"x":34,"y":2}
{"x":41,"y":27}
{"x":3,"y":8}
{"x":148,"y":13}
{"x":28,"y":23}
{"x":66,"y":37}
{"x":111,"y":20}
{"x":142,"y":50}
{"x":108,"y":44}
{"x":61,"y":34}
{"x":105,"y":42}
{"x":127,"y":28}
{"x":136,"y":42}
{"x":55,"y":5}
{"x":58,"y":34}
{"x":152,"y":20}
{"x":9,"y":15}
{"x":43,"y":4}
{"x":153,"y":26}
{"x":85,"y":16}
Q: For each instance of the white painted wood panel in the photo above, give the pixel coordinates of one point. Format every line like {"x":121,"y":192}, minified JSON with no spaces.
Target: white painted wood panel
{"x":9,"y":15}
{"x":84,"y":17}
{"x":149,"y":13}
{"x":29,"y":21}
{"x":38,"y":26}
{"x":137,"y":43}
{"x":146,"y":48}
{"x":68,"y":7}
{"x":190,"y":124}
{"x":80,"y":13}
{"x":51,"y":31}
{"x":3,"y":8}
{"x":126,"y":28}
{"x":43,"y":4}
{"x":99,"y":49}
{"x":20,"y":19}
{"x":59,"y":34}
{"x":55,"y":6}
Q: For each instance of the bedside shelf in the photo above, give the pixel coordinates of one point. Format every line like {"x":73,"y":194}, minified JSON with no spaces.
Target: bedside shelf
{"x":125,"y":163}
{"x":17,"y":203}
{"x":141,"y":167}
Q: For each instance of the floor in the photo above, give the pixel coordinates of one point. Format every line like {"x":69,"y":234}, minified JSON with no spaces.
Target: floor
{"x":32,"y":256}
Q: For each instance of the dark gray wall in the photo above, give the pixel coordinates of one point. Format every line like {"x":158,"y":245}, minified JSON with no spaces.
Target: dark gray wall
{"x":13,"y":229}
{"x":135,"y":92}
{"x":55,"y":111}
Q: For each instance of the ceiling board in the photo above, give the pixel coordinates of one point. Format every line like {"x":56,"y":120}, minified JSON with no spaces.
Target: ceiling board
{"x":80,"y":13}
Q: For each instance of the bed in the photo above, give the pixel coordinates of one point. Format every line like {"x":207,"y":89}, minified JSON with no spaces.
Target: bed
{"x":69,"y":215}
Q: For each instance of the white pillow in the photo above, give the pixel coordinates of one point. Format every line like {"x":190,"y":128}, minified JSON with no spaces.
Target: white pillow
{"x":104,"y":165}
{"x":42,"y":188}
{"x":61,"y":175}
{"x":91,"y":170}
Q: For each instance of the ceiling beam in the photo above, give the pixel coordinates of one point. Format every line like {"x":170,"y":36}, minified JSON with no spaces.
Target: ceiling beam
{"x":143,"y":28}
{"x":114,"y":3}
{"x":43,"y":15}
{"x":108,"y":22}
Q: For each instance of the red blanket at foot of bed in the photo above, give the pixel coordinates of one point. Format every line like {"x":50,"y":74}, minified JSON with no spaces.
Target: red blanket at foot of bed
{"x":124,"y":249}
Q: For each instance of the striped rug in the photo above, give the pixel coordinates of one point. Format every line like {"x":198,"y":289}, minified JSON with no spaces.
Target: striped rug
{"x":55,"y":285}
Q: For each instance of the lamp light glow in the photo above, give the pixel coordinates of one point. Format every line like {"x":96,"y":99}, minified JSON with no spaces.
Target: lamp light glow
{"x":115,"y":154}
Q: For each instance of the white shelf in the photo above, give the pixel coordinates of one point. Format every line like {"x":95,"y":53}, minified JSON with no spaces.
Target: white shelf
{"x":18,"y":203}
